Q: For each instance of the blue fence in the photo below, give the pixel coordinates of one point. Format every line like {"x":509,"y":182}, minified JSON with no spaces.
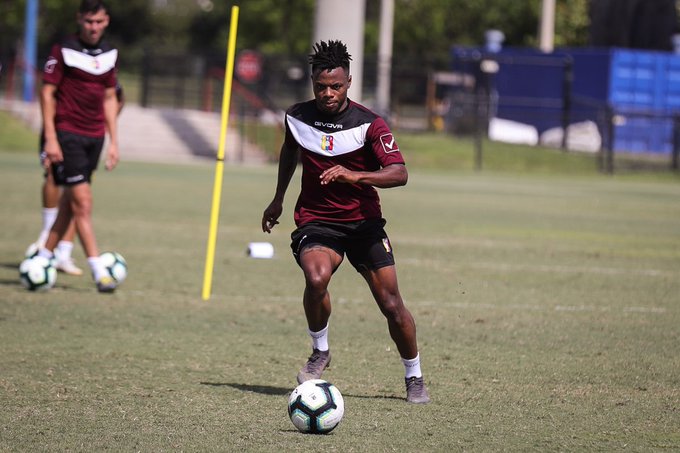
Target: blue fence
{"x":636,"y":94}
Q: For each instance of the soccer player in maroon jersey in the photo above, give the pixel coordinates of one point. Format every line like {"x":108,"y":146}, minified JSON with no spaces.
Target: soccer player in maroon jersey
{"x":346,"y":152}
{"x":51,"y":193}
{"x":79,"y":106}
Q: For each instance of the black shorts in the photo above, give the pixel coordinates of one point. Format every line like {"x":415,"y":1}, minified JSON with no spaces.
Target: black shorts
{"x":365,"y":243}
{"x":81,"y":156}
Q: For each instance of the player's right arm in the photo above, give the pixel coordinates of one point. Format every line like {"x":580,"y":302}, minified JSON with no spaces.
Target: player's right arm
{"x":48,"y":105}
{"x":288,"y":160}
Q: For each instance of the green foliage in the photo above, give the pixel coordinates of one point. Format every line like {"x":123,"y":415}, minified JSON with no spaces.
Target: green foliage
{"x":572,"y":23}
{"x":424,"y":29}
{"x":459,"y":22}
{"x":131,"y":22}
{"x":276,"y":27}
{"x":11,"y":24}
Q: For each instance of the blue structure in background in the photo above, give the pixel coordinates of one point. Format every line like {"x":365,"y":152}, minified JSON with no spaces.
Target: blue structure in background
{"x":30,"y":49}
{"x":637,"y":91}
{"x":644,"y":87}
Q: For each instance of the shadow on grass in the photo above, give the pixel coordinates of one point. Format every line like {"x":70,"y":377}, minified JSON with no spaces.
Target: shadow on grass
{"x":7,"y":282}
{"x":15,"y":281}
{"x":263,"y":389}
{"x":270,"y":390}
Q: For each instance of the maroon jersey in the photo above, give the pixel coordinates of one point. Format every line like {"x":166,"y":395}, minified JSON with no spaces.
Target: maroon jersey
{"x":81,"y":73}
{"x":357,"y":139}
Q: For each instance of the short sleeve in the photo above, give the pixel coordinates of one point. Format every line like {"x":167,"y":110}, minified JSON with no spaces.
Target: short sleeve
{"x":53,"y":70}
{"x":383,"y":143}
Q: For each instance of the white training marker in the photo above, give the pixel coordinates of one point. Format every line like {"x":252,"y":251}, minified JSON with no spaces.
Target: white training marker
{"x":260,"y":250}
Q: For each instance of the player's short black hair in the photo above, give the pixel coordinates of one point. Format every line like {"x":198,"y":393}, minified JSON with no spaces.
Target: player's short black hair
{"x":91,"y":6}
{"x":329,"y":55}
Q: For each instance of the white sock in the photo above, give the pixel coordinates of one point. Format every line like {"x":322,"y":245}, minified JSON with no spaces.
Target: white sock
{"x":320,"y":339}
{"x":42,"y":251}
{"x":63,"y":250}
{"x":43,"y":237}
{"x":49,"y":215}
{"x":412,"y":367}
{"x":97,"y":268}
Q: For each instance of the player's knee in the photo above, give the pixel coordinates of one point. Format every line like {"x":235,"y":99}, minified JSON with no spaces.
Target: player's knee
{"x":81,"y":206}
{"x":392,"y":307}
{"x":317,"y":279}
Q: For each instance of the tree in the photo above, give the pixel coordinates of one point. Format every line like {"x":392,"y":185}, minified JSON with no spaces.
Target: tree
{"x":640,"y":24}
{"x":270,"y":26}
{"x":424,"y":30}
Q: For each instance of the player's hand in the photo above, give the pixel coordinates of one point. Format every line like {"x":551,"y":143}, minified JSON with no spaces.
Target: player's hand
{"x":338,"y":173}
{"x":271,"y":216}
{"x":112,"y":157}
{"x":53,"y":153}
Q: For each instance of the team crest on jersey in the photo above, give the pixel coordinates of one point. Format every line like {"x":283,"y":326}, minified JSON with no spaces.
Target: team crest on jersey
{"x":386,"y":244}
{"x":327,"y":142}
{"x":50,"y":64}
{"x":388,"y":143}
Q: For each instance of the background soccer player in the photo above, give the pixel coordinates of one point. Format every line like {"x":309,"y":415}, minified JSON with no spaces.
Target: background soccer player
{"x":51,"y":193}
{"x":346,"y":152}
{"x":79,"y":105}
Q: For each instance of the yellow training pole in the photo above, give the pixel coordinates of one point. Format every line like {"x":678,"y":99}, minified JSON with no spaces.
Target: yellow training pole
{"x":219,"y":167}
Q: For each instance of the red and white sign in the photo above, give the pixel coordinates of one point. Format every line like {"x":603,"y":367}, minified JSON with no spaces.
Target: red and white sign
{"x":248,"y":66}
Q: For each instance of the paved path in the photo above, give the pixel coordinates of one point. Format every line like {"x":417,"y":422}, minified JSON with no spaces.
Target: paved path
{"x":165,"y":135}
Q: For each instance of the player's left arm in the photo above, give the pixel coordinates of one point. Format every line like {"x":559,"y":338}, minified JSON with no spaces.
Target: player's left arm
{"x":110,"y":116}
{"x":393,"y":175}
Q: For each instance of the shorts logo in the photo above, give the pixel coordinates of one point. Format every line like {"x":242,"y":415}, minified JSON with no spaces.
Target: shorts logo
{"x":50,"y":64}
{"x":72,"y":179}
{"x":388,"y":143}
{"x":386,"y":244}
{"x":327,"y":142}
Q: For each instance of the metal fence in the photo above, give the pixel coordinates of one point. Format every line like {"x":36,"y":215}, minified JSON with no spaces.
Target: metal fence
{"x":463,"y":100}
{"x":470,"y":97}
{"x":182,"y":81}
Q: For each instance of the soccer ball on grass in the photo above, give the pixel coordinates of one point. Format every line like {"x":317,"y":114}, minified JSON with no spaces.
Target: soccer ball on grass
{"x":115,"y":265}
{"x":316,"y":407}
{"x":37,"y":273}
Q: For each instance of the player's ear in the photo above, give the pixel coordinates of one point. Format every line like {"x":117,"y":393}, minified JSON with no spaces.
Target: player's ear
{"x":349,"y":81}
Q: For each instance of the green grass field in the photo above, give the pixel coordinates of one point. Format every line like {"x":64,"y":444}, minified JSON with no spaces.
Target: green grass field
{"x":548,"y":312}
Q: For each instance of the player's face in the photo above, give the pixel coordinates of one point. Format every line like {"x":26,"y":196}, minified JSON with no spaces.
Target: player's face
{"x":92,"y":26}
{"x":330,"y":89}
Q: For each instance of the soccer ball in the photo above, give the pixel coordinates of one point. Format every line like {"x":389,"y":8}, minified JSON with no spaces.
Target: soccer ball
{"x":115,"y":265}
{"x":37,"y":273}
{"x":316,"y":407}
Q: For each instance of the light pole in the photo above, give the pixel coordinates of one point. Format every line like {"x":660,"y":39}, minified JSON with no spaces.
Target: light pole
{"x":344,"y":21}
{"x":382,"y":101}
{"x":547,"y":28}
